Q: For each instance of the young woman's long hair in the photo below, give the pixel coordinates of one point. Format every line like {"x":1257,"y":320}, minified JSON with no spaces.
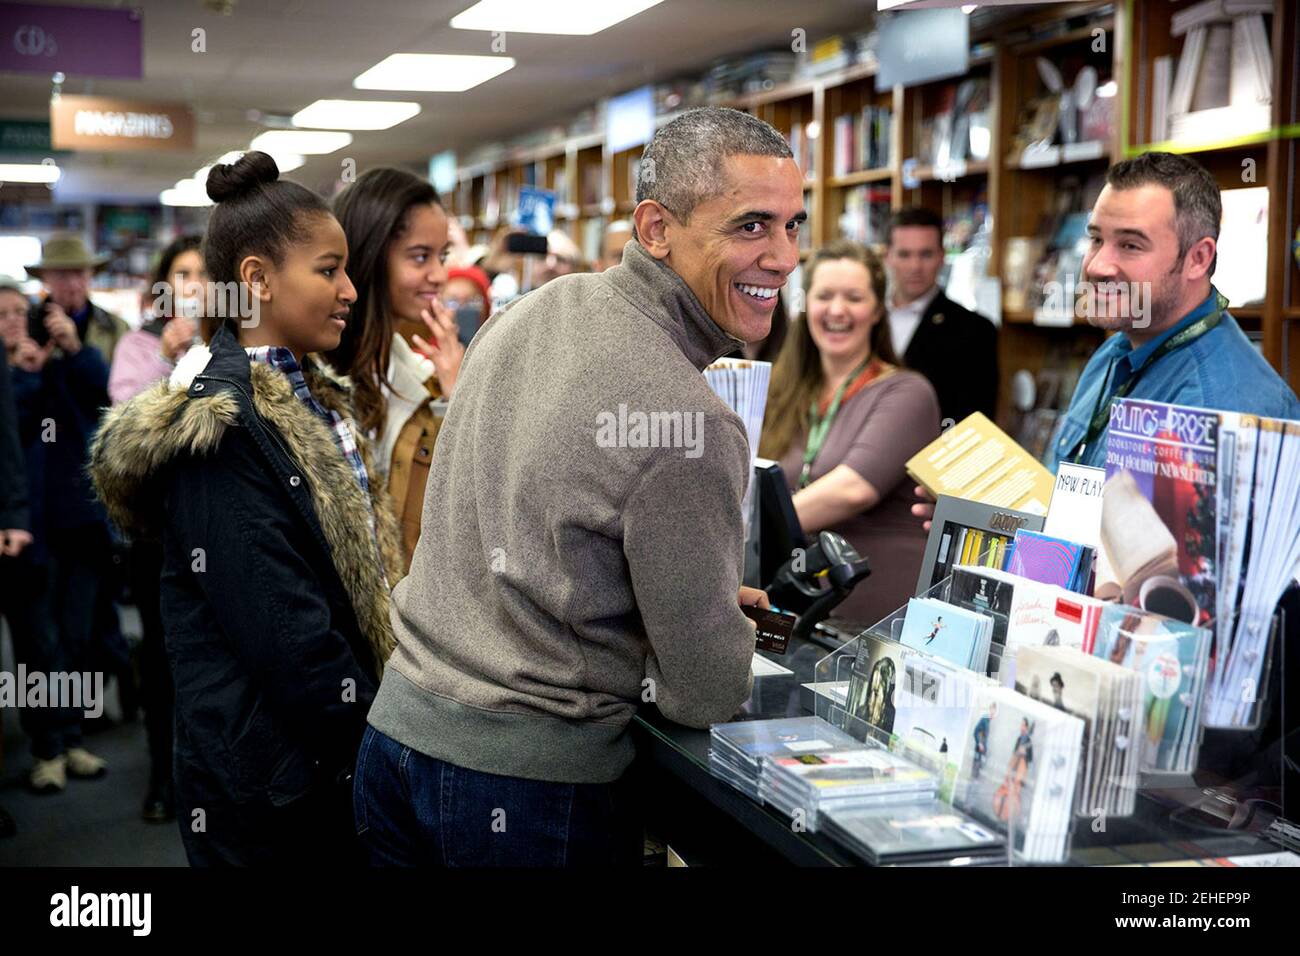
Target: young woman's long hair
{"x":373,"y":212}
{"x":797,"y":376}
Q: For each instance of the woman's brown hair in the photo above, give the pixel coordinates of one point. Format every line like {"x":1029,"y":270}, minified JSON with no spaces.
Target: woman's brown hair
{"x":373,"y":212}
{"x":797,"y":376}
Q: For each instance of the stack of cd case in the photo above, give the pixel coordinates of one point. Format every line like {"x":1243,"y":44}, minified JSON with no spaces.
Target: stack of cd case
{"x":807,"y":785}
{"x":737,"y":750}
{"x":922,"y":832}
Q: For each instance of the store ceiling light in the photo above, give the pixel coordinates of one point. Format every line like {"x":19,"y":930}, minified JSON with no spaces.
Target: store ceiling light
{"x":224,"y":159}
{"x":29,"y":173}
{"x":567,"y":17}
{"x":186,"y":192}
{"x":286,"y":162}
{"x":311,"y":142}
{"x":174,"y":197}
{"x":354,"y":114}
{"x":432,"y":72}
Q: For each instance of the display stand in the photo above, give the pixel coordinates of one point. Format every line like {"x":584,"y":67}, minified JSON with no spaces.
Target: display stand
{"x":1015,"y":800}
{"x":1240,"y":704}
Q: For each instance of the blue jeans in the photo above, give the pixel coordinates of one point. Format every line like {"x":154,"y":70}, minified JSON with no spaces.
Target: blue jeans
{"x":415,"y":810}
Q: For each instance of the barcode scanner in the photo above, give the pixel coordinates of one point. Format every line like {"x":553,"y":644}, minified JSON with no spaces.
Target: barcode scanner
{"x":816,"y":581}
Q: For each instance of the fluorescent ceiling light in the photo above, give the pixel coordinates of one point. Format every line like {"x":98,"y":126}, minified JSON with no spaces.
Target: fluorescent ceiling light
{"x":432,"y":72}
{"x":568,"y":17}
{"x":224,"y":160}
{"x":29,"y":173}
{"x":354,"y":114}
{"x":187,"y":192}
{"x":311,"y":142}
{"x":286,"y":162}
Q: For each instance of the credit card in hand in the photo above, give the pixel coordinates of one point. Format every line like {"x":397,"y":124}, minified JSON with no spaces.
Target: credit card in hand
{"x":774,"y":627}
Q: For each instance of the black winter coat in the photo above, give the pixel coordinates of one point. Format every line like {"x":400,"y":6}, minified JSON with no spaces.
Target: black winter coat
{"x":274,"y":602}
{"x":13,"y":477}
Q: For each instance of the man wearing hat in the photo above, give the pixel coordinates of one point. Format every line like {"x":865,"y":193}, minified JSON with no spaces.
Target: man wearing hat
{"x":60,"y":386}
{"x":65,"y":268}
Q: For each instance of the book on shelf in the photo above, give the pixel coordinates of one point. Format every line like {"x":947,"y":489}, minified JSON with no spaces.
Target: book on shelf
{"x":1180,"y":99}
{"x":866,"y":214}
{"x":1214,"y":72}
{"x":1212,"y":11}
{"x":1252,"y":62}
{"x":801,"y":146}
{"x":1161,"y":73}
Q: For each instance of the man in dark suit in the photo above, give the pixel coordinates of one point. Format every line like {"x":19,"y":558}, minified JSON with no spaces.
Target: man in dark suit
{"x":956,"y":349}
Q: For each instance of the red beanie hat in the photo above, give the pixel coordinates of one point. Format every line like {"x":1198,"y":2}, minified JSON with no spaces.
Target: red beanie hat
{"x":477,"y":276}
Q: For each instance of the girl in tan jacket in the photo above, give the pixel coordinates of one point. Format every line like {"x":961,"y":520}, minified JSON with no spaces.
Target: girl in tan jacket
{"x":403,"y":350}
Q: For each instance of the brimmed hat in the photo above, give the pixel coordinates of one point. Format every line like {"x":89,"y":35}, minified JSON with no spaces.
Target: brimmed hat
{"x":66,"y":251}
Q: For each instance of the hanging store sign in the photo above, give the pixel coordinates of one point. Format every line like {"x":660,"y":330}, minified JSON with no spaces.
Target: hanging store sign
{"x":78,"y":41}
{"x":100,"y":123}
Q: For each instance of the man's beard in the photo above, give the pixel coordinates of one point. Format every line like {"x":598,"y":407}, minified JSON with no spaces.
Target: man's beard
{"x":1146,"y":307}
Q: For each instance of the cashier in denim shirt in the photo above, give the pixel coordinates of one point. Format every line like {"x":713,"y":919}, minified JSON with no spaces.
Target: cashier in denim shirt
{"x":1154,"y":231}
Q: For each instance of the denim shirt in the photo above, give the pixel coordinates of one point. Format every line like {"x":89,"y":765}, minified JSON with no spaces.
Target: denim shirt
{"x":1219,"y":370}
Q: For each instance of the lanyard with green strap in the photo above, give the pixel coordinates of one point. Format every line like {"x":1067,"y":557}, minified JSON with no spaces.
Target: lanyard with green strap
{"x":1101,"y":411}
{"x":819,"y":426}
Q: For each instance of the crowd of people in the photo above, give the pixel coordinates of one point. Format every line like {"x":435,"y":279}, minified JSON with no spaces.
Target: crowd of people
{"x":397,"y":605}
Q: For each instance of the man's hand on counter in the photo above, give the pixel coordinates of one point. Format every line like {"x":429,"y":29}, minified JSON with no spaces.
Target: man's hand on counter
{"x":753,"y":597}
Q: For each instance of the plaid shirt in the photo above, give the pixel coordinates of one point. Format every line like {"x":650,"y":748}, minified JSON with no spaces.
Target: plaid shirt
{"x":281,"y":359}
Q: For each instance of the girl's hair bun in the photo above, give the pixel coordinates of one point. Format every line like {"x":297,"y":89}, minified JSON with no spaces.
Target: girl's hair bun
{"x":253,"y":169}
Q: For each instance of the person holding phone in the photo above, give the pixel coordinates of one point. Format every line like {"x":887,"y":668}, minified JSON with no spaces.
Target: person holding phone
{"x":60,"y":580}
{"x":403,"y":349}
{"x":174,"y":307}
{"x":469,"y":294}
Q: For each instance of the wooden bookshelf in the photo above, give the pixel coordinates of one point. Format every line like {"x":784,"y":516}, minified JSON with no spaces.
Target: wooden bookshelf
{"x":1022,"y":192}
{"x":1271,"y":154}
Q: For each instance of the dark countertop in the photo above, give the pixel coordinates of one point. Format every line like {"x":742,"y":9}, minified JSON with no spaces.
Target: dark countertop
{"x":1162,"y":829}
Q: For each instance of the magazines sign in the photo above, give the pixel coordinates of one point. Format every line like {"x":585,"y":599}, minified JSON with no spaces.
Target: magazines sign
{"x":102,"y":124}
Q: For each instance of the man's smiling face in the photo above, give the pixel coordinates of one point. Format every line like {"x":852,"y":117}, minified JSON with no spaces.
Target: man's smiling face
{"x":740,"y":245}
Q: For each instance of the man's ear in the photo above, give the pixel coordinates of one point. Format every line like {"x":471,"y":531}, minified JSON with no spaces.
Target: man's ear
{"x":253,"y":272}
{"x":1199,"y":258}
{"x":652,"y":224}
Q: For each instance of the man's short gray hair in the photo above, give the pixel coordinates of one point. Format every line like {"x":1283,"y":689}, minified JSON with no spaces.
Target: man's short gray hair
{"x":1198,"y":206}
{"x":682,"y":166}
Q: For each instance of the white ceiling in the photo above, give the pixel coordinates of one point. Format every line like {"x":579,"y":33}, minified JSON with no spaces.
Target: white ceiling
{"x":277,"y":56}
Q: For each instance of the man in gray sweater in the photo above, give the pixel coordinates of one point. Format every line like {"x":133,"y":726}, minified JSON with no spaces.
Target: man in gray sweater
{"x":581,"y":540}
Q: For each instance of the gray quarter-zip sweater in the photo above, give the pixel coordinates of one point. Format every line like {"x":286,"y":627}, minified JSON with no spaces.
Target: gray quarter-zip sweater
{"x":581,"y":541}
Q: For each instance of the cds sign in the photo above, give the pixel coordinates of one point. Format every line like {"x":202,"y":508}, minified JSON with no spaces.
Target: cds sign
{"x":78,"y":41}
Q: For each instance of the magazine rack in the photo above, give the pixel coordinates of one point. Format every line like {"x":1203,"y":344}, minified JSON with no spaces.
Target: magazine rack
{"x":1239,"y":702}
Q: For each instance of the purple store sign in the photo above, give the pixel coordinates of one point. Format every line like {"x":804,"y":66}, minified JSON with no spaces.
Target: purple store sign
{"x":78,"y":41}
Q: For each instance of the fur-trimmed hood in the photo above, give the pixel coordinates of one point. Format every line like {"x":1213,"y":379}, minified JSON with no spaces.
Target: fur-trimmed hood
{"x":188,"y":416}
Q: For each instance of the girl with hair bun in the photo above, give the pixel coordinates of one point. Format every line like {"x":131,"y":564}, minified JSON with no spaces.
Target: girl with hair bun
{"x":278,"y":549}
